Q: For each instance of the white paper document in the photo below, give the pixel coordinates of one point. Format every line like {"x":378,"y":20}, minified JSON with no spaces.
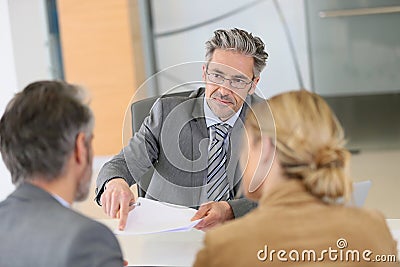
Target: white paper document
{"x":156,"y":217}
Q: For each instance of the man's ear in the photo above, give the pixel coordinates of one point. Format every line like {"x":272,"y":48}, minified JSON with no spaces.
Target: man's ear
{"x":203,"y":75}
{"x":80,"y":148}
{"x":254,"y":85}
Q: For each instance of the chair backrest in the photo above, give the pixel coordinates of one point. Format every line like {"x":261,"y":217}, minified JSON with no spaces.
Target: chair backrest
{"x":139,"y":111}
{"x":360,"y":192}
{"x":359,"y":195}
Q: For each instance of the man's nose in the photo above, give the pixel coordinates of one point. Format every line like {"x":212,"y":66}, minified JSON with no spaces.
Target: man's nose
{"x":225,"y":88}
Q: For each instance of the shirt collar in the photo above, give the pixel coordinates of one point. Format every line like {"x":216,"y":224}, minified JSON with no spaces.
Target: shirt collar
{"x":61,"y":200}
{"x":212,"y":119}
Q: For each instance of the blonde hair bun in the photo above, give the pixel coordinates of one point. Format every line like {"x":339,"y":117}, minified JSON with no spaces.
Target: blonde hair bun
{"x":326,"y":176}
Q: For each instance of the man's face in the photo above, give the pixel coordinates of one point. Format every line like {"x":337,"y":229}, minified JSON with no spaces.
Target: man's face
{"x":223,"y":99}
{"x":84,"y":183}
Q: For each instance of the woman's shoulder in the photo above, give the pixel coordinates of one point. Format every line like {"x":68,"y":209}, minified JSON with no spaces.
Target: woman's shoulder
{"x":239,"y":229}
{"x":365,"y":215}
{"x":367,"y":223}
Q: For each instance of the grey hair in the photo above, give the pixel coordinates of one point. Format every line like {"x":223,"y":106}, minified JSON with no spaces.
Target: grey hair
{"x":240,"y":41}
{"x":39,"y":127}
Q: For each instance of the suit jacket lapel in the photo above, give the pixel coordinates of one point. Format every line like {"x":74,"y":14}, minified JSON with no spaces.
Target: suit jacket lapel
{"x":200,"y":141}
{"x":198,"y":116}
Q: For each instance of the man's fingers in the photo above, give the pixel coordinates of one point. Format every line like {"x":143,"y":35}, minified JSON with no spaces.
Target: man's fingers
{"x":103,"y":202}
{"x":122,"y":222}
{"x":123,"y":215}
{"x":204,"y":225}
{"x":216,"y":214}
{"x":202,"y":212}
{"x":116,"y":195}
{"x":207,"y":222}
{"x":114,"y":207}
{"x":200,"y":225}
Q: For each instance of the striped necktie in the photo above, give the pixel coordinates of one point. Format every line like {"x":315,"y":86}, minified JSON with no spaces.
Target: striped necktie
{"x":217,"y":182}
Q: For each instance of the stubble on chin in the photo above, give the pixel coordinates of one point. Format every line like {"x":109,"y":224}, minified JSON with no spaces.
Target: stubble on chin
{"x":222,"y":111}
{"x":83,"y":188}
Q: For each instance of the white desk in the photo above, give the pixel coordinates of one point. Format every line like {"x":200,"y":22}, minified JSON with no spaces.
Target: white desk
{"x":179,"y":248}
{"x":394,"y":225}
{"x":162,"y":249}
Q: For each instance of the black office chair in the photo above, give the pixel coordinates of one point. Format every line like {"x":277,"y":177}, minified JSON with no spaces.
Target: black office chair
{"x":139,"y":111}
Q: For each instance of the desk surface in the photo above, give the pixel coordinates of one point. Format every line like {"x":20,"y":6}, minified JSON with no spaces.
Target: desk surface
{"x":161,"y":249}
{"x":394,"y":226}
{"x":179,"y":248}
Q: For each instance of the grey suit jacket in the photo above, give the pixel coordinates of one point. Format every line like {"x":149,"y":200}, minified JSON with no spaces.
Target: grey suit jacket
{"x":174,"y":139}
{"x":36,"y":230}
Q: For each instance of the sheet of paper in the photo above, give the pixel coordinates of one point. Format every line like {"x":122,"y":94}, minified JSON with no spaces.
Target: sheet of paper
{"x":155,"y":217}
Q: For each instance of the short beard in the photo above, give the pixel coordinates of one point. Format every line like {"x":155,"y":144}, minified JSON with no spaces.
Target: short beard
{"x":83,"y":189}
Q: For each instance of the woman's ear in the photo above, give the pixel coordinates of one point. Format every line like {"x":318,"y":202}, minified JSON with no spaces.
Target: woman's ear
{"x":267,"y":150}
{"x":266,"y":157}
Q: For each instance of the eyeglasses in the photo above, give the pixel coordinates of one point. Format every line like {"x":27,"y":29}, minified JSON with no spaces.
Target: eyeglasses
{"x":235,"y":83}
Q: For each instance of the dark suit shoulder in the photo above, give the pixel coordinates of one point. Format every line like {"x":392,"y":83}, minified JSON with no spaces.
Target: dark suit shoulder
{"x":178,"y":98}
{"x":182,"y":106}
{"x":53,"y":235}
{"x":256,"y":99}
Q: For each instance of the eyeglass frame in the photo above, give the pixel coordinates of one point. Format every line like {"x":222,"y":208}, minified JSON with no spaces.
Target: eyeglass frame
{"x":230,"y":80}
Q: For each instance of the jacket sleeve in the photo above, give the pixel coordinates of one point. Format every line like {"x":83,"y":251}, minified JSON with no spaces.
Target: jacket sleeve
{"x":138,"y":156}
{"x":241,"y":206}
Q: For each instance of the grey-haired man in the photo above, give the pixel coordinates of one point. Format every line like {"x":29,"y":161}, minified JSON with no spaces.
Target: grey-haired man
{"x":45,"y":141}
{"x":190,"y":173}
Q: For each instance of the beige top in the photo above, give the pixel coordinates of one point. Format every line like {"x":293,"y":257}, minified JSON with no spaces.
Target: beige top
{"x":290,"y":219}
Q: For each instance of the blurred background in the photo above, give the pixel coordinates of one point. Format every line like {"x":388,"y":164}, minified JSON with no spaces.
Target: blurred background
{"x":348,"y":51}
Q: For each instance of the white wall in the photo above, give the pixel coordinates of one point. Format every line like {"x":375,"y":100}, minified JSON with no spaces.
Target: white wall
{"x":24,"y":56}
{"x":261,"y":19}
{"x":8,"y":83}
{"x":29,"y":31}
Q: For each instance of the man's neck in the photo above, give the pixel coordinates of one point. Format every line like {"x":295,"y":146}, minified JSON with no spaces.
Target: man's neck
{"x":59,"y":186}
{"x":212,"y":119}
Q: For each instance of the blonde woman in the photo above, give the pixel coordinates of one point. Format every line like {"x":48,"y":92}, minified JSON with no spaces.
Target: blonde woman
{"x":296,"y":176}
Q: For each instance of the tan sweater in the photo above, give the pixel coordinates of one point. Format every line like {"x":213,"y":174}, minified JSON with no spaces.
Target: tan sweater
{"x":294,"y":221}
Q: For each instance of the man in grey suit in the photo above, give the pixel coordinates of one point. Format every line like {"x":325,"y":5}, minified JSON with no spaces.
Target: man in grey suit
{"x":193,"y":142}
{"x":45,"y":142}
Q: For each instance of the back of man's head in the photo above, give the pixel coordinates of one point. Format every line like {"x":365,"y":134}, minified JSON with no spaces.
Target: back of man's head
{"x":39,"y":127}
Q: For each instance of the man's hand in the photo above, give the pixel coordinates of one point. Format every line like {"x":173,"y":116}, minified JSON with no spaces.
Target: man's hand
{"x":213,"y":213}
{"x":115,"y":200}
